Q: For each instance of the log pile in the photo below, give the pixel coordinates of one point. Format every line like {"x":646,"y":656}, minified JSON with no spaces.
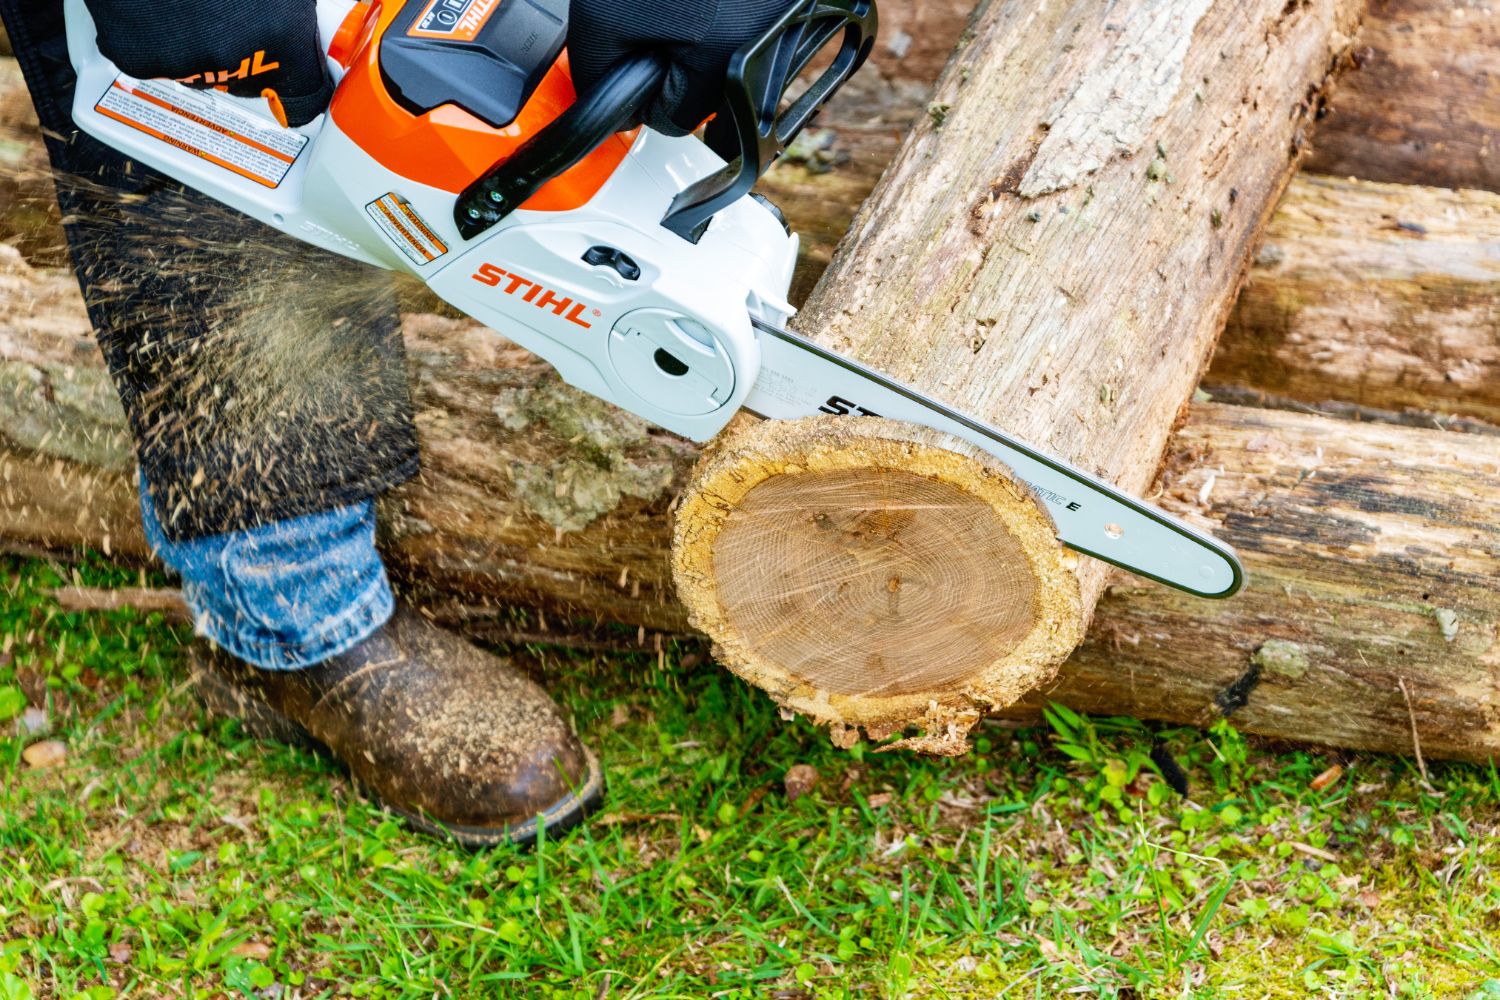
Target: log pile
{"x":1370,"y":545}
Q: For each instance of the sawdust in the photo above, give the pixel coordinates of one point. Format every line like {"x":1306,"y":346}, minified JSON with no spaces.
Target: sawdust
{"x":253,"y":367}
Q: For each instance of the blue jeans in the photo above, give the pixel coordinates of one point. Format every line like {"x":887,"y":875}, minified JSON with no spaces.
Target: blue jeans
{"x":284,"y":595}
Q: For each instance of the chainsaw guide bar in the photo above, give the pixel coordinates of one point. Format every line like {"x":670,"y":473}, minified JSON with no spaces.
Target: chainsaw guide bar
{"x":799,"y":378}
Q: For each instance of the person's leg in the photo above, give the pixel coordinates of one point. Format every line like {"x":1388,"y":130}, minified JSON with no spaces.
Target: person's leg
{"x":265,"y":385}
{"x":285,"y":595}
{"x":262,"y":378}
{"x":308,"y":645}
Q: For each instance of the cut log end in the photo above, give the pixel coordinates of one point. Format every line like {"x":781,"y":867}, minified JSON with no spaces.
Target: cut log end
{"x":870,"y":573}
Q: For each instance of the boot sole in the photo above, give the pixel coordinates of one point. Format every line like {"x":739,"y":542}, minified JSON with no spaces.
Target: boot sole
{"x":263,"y":722}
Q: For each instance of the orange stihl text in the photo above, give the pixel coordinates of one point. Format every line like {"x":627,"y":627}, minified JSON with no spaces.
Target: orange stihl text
{"x":249,"y":66}
{"x":529,"y":291}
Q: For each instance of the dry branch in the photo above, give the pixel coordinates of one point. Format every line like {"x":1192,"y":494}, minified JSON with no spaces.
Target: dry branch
{"x":168,"y":600}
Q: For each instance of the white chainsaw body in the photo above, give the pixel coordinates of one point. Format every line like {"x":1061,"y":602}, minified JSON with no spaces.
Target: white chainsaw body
{"x":524,"y":277}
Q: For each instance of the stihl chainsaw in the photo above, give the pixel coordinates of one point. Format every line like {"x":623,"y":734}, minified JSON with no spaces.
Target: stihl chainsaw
{"x":642,"y":266}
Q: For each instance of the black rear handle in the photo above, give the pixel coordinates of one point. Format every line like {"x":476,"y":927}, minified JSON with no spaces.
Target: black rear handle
{"x":752,"y":129}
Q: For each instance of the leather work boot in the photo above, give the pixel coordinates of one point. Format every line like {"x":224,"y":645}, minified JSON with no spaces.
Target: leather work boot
{"x":453,"y":739}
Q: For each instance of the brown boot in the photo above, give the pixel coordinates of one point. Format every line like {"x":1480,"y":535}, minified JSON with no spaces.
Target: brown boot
{"x":452,"y":738}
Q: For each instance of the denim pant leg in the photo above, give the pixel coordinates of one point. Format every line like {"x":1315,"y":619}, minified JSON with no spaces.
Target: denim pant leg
{"x":283,"y":595}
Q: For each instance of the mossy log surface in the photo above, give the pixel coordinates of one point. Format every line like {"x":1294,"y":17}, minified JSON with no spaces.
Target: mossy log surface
{"x":1423,"y":106}
{"x":1385,"y":296}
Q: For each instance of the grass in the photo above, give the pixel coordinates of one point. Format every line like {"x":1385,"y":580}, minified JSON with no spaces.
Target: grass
{"x":170,"y":855}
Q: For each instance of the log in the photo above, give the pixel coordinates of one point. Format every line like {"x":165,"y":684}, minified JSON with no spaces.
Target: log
{"x":1371,"y":548}
{"x":1064,"y":277}
{"x":1385,"y":296}
{"x":1373,"y":551}
{"x":1423,"y":106}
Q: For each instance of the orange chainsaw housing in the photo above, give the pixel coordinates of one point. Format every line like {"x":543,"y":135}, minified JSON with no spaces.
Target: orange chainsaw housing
{"x":447,"y":148}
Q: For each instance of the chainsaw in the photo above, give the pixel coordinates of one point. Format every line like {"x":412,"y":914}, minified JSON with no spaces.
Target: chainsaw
{"x":643,"y":267}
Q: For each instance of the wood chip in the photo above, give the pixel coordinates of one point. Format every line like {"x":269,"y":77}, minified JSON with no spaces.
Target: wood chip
{"x":257,"y":950}
{"x":33,"y":722}
{"x":1328,"y":777}
{"x":799,"y":780}
{"x":1314,"y":852}
{"x":46,"y":753}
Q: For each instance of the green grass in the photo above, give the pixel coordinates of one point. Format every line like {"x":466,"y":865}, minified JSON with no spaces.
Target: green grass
{"x":170,"y":855}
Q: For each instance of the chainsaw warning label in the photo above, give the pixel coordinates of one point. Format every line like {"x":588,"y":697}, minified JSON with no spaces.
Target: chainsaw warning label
{"x":453,"y":20}
{"x":405,"y":228}
{"x":211,"y":130}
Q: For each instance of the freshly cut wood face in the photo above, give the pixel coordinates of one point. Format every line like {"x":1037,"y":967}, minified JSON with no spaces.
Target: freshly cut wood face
{"x":877,"y":574}
{"x":925,"y":579}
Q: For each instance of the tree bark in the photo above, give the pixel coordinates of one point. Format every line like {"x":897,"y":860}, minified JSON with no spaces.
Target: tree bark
{"x":1424,"y":105}
{"x":29,"y":217}
{"x":1054,"y":250}
{"x":1385,"y":296}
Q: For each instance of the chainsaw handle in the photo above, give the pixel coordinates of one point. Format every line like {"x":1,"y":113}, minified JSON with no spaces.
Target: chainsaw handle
{"x":752,"y":130}
{"x":615,"y":105}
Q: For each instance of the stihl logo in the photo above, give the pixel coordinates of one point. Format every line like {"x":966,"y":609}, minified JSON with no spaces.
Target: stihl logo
{"x":537,"y":295}
{"x":252,"y":66}
{"x":843,"y":407}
